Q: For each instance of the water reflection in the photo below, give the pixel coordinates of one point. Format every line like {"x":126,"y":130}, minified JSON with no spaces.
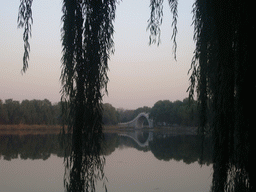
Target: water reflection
{"x":129,"y":154}
{"x":163,"y":145}
{"x":40,"y":146}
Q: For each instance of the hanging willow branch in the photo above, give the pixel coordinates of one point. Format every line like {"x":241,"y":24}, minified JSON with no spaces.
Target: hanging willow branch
{"x":87,"y":40}
{"x":25,"y":21}
{"x":156,"y":19}
{"x":174,"y":10}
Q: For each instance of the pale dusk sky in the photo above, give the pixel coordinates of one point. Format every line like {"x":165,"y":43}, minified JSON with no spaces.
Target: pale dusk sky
{"x":139,"y":74}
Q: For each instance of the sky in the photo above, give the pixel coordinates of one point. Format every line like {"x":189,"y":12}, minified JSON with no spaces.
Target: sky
{"x":140,"y":75}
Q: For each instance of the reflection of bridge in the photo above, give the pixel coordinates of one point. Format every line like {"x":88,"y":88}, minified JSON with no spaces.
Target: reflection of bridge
{"x":140,"y":137}
{"x":138,"y":121}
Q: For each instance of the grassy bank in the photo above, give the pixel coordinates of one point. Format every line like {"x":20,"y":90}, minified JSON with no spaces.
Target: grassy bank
{"x":29,"y":129}
{"x":40,"y":129}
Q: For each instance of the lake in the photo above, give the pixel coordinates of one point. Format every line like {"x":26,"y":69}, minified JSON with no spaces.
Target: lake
{"x":134,"y":161}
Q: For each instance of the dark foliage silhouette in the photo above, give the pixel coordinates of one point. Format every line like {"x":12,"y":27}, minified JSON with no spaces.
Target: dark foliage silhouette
{"x":222,"y":67}
{"x":221,"y":74}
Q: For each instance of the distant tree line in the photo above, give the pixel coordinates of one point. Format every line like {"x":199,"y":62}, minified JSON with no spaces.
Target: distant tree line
{"x":164,"y":113}
{"x":39,"y":112}
{"x":30,"y":112}
{"x":167,"y":113}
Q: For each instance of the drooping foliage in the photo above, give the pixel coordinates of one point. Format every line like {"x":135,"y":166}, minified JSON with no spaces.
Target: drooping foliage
{"x":87,"y":39}
{"x":25,"y":21}
{"x":156,"y":19}
{"x":221,"y":74}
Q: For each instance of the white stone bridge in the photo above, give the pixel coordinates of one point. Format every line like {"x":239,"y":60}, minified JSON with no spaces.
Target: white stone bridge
{"x":138,"y":122}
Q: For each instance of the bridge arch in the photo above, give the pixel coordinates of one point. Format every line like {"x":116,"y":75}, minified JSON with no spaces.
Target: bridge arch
{"x":138,"y":122}
{"x":140,"y":137}
{"x":141,"y":120}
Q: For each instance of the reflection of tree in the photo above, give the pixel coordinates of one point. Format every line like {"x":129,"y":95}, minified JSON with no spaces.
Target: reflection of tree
{"x":183,"y":147}
{"x":109,"y":144}
{"x":29,"y":146}
{"x":186,"y":148}
{"x":42,"y":146}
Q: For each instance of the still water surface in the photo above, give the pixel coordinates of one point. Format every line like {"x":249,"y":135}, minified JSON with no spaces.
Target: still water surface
{"x":135,"y":161}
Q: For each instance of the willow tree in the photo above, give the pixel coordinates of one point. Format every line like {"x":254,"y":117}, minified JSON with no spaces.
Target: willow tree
{"x":222,"y":75}
{"x":87,"y":41}
{"x":223,"y":69}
